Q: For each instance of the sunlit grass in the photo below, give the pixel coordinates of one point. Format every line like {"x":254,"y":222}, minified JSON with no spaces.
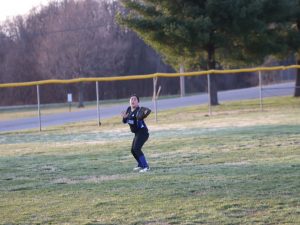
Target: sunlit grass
{"x":240,"y":166}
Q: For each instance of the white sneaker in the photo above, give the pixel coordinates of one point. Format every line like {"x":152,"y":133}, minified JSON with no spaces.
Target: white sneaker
{"x":137,"y":168}
{"x":144,"y":170}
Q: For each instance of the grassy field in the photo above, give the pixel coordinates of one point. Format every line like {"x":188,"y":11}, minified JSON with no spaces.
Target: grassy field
{"x":8,"y":113}
{"x":240,"y":166}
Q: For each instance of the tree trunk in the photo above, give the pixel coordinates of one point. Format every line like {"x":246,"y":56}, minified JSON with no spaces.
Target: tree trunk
{"x":211,"y":65}
{"x":297,"y":84}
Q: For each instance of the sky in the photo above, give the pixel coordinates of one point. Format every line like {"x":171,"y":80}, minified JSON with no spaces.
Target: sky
{"x":11,"y":8}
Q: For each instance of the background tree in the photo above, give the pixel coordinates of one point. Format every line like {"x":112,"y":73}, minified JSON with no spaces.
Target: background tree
{"x":214,"y":32}
{"x":293,"y":40}
{"x":282,"y":19}
{"x":297,"y":83}
{"x":70,"y":39}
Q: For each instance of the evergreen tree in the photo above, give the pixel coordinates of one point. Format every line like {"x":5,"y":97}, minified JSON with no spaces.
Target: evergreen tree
{"x":297,"y":84}
{"x":294,"y":40}
{"x":210,"y":31}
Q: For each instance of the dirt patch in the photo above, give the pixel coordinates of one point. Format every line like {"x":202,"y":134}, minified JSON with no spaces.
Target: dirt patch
{"x":92,"y":179}
{"x":242,"y":163}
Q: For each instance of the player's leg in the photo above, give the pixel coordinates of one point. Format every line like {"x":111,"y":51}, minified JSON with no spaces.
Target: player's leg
{"x":139,"y":166}
{"x":141,"y":138}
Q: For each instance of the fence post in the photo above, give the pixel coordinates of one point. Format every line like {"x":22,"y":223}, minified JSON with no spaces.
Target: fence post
{"x":155,"y":97}
{"x":182,"y":81}
{"x":260,"y":91}
{"x":208,"y":92}
{"x":98,"y":105}
{"x":39,"y":108}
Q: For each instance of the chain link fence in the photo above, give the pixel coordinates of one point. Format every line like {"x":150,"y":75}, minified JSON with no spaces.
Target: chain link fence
{"x":258,"y":83}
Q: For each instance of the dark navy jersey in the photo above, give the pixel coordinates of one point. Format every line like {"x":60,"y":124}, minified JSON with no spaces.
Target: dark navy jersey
{"x":135,"y":124}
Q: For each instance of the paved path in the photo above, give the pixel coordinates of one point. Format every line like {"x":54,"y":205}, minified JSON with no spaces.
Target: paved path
{"x":110,"y":111}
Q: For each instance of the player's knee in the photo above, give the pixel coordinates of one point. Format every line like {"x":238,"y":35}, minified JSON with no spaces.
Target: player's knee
{"x":137,"y":151}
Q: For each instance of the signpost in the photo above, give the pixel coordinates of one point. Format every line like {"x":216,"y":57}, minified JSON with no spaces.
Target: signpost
{"x":70,"y":101}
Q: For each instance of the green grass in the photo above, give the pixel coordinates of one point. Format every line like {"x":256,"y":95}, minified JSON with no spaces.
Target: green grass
{"x":240,"y":166}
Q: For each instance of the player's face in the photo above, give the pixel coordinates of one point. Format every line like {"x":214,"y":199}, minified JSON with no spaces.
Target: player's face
{"x":133,"y":102}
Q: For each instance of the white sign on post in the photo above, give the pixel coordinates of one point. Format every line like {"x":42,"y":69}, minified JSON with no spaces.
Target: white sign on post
{"x":69,"y":101}
{"x":69,"y":97}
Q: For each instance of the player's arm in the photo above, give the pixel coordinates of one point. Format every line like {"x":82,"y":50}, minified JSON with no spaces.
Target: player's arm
{"x":125,"y":115}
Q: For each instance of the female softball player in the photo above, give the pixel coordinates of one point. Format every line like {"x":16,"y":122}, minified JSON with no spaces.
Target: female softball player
{"x":135,"y":116}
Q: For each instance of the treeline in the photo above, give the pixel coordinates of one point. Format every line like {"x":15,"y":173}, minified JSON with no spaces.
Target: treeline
{"x":70,"y":39}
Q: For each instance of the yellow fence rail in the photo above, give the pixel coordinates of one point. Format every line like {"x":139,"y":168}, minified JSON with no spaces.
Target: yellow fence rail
{"x":148,"y":76}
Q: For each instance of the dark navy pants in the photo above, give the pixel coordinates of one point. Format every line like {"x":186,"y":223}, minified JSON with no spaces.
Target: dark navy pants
{"x":138,"y":141}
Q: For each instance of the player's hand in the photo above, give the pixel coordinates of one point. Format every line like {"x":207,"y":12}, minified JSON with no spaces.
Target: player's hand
{"x":124,"y":114}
